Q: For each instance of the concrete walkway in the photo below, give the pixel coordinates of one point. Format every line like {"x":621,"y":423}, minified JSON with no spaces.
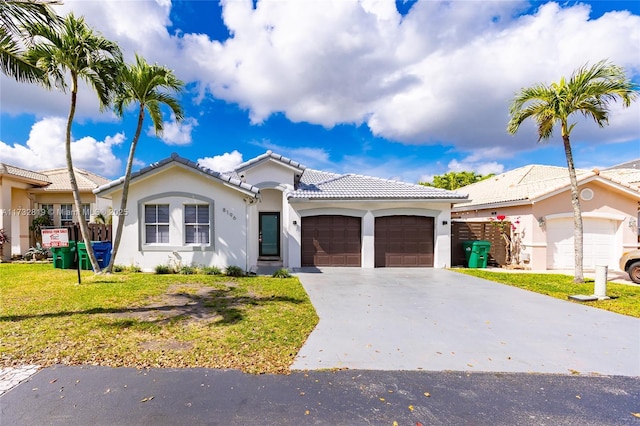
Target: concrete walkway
{"x":437,"y":320}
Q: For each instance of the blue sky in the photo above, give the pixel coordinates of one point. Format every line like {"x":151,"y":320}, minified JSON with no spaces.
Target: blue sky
{"x":399,"y":90}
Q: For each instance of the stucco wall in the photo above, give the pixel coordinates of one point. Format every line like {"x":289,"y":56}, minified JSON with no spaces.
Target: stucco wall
{"x":176,"y":186}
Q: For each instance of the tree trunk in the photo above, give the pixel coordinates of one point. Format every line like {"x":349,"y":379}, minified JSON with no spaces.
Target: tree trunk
{"x":578,"y":277}
{"x":84,"y":229}
{"x":125,"y":190}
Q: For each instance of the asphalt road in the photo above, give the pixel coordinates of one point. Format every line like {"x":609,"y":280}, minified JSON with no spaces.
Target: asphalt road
{"x":108,"y":396}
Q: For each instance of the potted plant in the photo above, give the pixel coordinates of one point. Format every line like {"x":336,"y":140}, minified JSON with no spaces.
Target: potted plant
{"x":36,"y":253}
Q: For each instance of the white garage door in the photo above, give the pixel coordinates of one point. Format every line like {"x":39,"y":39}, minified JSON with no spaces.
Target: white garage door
{"x":598,"y":243}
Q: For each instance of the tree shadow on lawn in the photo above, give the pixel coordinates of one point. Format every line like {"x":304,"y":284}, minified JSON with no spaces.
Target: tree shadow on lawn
{"x":219,"y":307}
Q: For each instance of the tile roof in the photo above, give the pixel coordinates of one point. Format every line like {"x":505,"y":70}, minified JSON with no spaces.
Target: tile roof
{"x":265,"y":157}
{"x":633,"y":164}
{"x":528,"y":183}
{"x":234,"y":182}
{"x":59,"y":179}
{"x":318,"y":185}
{"x":35,"y":177}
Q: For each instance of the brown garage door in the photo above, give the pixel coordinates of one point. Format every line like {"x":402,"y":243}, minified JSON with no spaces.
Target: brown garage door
{"x":331,"y":241}
{"x":403,"y":241}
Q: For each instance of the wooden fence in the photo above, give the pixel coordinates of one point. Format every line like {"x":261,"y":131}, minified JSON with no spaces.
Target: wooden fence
{"x":472,"y":231}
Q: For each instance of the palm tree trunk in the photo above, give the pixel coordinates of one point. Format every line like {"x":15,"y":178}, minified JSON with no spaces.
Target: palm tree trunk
{"x":84,"y":229}
{"x":125,"y":190}
{"x":578,"y":277}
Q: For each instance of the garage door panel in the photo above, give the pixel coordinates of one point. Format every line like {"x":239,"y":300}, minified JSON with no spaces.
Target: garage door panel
{"x":404,"y":241}
{"x":598,"y":243}
{"x":331,"y":240}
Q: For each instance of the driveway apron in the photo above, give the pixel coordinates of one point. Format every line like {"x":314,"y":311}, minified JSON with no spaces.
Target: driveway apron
{"x":435,"y":320}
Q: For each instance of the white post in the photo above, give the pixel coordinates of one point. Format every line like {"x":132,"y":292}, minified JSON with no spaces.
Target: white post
{"x":600,"y":289}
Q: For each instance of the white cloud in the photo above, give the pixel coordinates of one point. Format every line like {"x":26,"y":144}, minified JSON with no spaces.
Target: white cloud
{"x":444,"y":73}
{"x":222,"y":163}
{"x":175,"y":133}
{"x":45,"y":149}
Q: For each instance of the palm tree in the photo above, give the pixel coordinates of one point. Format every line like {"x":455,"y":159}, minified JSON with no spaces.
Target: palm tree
{"x":14,"y":15}
{"x":76,"y":50}
{"x":588,"y":91}
{"x":145,"y":85}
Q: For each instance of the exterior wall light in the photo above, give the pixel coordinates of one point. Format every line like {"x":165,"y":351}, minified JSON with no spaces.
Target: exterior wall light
{"x":541,"y":222}
{"x":632,"y":222}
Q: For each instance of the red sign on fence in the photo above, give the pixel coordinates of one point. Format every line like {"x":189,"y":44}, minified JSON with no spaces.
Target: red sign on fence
{"x":57,"y":237}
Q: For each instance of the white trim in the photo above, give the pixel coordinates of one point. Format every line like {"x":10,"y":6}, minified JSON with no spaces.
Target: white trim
{"x":590,"y":215}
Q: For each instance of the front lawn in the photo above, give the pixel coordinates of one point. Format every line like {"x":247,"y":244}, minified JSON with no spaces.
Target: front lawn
{"x":625,"y":299}
{"x":255,"y":324}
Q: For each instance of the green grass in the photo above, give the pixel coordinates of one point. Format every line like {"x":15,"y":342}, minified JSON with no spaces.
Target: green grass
{"x":255,"y":324}
{"x":625,"y":299}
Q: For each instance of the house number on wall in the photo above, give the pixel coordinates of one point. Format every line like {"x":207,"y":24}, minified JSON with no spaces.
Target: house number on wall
{"x":229,"y":213}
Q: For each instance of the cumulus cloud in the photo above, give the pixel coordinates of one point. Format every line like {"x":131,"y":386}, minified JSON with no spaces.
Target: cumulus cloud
{"x":222,"y":163}
{"x":442,"y":74}
{"x":45,"y":150}
{"x":175,"y":133}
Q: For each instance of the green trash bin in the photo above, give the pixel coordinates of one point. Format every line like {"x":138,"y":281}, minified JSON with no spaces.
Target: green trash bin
{"x":476,"y":253}
{"x":63,"y":257}
{"x":83,"y":256}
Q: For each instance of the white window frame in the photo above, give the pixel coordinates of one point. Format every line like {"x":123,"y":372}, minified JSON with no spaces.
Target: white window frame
{"x":157,"y":224}
{"x":197,"y":225}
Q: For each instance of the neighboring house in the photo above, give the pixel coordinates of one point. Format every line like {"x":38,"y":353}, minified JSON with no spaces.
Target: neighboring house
{"x":273,"y":211}
{"x":539,"y":198}
{"x":24,"y":194}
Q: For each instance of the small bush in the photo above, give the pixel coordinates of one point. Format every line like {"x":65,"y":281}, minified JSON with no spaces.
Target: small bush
{"x":119,"y":268}
{"x":233,"y":271}
{"x":211,"y":270}
{"x":134,"y":268}
{"x":164,"y":269}
{"x":281,"y":273}
{"x":188,"y":270}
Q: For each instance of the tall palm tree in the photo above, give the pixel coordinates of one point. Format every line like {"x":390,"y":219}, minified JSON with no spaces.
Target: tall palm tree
{"x":76,"y":50}
{"x":588,"y":91}
{"x":148,"y":86}
{"x":14,"y":15}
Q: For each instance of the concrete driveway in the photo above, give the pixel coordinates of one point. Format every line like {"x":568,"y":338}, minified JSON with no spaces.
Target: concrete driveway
{"x":434,"y":319}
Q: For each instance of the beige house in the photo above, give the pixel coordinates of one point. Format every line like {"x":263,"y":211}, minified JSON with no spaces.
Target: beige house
{"x":25,"y":194}
{"x":537,"y":200}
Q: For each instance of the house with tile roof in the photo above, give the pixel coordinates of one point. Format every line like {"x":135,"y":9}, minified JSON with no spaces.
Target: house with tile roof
{"x":538,"y":198}
{"x":272,"y":212}
{"x":24,"y":194}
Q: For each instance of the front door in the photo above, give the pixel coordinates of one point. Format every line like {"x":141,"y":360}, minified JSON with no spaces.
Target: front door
{"x":269,"y":234}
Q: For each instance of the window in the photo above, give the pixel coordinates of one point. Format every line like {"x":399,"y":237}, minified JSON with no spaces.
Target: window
{"x":196,"y":224}
{"x":66,"y":214}
{"x":156,"y":220}
{"x":86,"y":210}
{"x":46,"y":208}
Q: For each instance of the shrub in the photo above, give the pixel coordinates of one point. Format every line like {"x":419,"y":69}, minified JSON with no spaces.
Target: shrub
{"x":134,"y":268}
{"x":119,"y":268}
{"x":281,"y":273}
{"x":233,"y":271}
{"x":164,"y":269}
{"x":211,"y":270}
{"x":188,"y":270}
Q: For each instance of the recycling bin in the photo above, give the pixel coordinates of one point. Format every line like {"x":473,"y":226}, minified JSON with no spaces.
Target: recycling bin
{"x":476,"y":253}
{"x":102,"y":250}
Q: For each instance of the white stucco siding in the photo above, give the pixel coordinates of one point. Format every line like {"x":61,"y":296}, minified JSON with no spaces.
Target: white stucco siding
{"x":368,"y":211}
{"x":178,"y":187}
{"x":270,"y":172}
